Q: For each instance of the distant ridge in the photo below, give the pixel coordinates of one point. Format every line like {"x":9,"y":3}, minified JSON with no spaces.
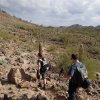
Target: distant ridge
{"x":80,"y":26}
{"x":98,"y":26}
{"x":75,"y":26}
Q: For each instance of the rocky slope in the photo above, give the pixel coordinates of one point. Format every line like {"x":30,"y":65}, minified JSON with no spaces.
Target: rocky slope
{"x":18,"y":58}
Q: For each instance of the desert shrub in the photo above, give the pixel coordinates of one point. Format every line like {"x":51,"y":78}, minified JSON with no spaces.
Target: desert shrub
{"x":96,"y":50}
{"x":93,"y":66}
{"x":63,"y":60}
{"x":6,"y":35}
{"x":20,"y":27}
{"x":51,"y":48}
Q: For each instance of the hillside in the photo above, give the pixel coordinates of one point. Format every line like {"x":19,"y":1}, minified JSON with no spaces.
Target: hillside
{"x":19,"y":41}
{"x":57,"y":41}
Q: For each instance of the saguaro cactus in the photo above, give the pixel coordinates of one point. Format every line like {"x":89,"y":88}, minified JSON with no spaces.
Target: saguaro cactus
{"x":81,"y":53}
{"x":40,"y":48}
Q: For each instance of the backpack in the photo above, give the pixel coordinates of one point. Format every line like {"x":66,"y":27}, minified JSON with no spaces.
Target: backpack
{"x":83,"y":80}
{"x":44,"y":66}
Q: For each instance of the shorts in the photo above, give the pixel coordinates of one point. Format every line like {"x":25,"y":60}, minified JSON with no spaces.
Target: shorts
{"x":43,"y":75}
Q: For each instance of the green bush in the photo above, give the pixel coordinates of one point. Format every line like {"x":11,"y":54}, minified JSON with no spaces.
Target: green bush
{"x":93,"y":66}
{"x":51,"y":48}
{"x":6,"y":35}
{"x":63,"y":61}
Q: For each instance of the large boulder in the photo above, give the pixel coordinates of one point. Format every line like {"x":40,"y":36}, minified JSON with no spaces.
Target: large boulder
{"x":18,"y":75}
{"x":6,"y":97}
{"x":24,"y":97}
{"x":39,"y":97}
{"x":14,"y":76}
{"x":60,"y":98}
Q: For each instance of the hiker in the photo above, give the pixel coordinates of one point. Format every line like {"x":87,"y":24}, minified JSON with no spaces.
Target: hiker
{"x":73,"y":77}
{"x":41,"y":72}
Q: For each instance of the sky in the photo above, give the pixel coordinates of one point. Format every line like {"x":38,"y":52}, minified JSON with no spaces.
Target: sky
{"x":55,"y":12}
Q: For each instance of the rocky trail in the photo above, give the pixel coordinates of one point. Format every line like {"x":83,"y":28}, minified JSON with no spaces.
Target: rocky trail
{"x":21,"y":82}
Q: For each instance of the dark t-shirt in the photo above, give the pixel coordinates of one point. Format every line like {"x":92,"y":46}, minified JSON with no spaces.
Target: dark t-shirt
{"x":43,"y":67}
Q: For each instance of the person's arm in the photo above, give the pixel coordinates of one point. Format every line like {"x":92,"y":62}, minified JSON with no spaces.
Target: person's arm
{"x":39,"y":66}
{"x":68,"y":77}
{"x":71,"y":72}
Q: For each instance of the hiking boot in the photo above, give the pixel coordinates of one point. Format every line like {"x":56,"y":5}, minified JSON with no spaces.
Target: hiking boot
{"x":39,"y":85}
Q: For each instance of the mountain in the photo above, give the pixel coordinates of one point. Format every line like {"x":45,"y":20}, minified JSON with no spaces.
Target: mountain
{"x":98,"y":26}
{"x":76,"y":26}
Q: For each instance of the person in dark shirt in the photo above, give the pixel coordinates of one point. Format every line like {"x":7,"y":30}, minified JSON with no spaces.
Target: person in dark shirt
{"x":72,"y":77}
{"x":41,"y":72}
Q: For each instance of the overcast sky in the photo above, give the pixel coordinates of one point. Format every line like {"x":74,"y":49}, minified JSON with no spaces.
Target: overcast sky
{"x":55,"y":12}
